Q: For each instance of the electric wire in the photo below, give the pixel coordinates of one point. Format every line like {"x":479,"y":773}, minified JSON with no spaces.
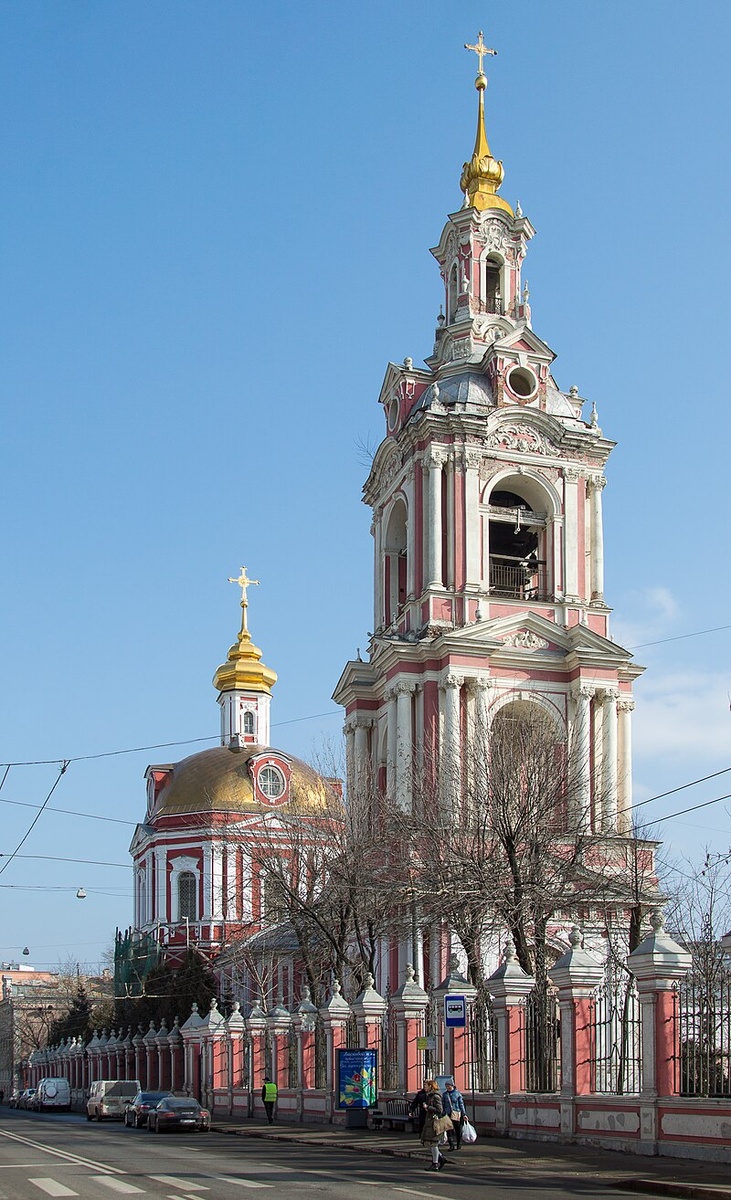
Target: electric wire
{"x":69,"y":812}
{"x":681,"y":788}
{"x":62,"y":771}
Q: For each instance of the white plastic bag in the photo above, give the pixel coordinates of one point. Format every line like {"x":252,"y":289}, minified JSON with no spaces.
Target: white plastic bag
{"x":469,"y":1133}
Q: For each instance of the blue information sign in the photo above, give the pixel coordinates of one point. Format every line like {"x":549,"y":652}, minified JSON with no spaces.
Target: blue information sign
{"x":357,"y":1078}
{"x":455,"y":1012}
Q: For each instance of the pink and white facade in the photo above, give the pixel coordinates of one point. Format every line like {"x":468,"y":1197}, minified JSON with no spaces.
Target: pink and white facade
{"x":486,"y":495}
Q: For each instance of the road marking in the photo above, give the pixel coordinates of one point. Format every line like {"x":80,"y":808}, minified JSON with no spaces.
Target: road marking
{"x":175,"y":1181}
{"x":247,"y":1183}
{"x":413,"y":1192}
{"x":76,"y":1159}
{"x":52,"y":1188}
{"x":118,"y":1185}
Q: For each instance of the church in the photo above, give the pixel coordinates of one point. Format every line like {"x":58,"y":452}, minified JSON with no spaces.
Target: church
{"x":489,"y":613}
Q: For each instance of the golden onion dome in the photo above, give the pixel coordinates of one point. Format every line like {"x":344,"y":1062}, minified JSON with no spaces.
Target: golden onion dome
{"x":482,"y":175}
{"x":243,"y":669}
{"x":219,"y":781}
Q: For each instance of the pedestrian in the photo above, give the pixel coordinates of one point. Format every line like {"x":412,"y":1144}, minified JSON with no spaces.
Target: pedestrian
{"x":432,"y":1132}
{"x":269,"y":1097}
{"x":453,"y":1104}
{"x":417,"y":1109}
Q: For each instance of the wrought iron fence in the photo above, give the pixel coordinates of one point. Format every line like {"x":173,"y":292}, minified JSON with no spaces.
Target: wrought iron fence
{"x":269,"y":1054}
{"x":703,"y":1009}
{"x":389,"y":1052}
{"x":352,"y":1035}
{"x":321,"y":1080}
{"x":542,"y":1033}
{"x":617,"y":1056}
{"x":482,"y":1044}
{"x":434,"y":1053}
{"x":293,"y":1080}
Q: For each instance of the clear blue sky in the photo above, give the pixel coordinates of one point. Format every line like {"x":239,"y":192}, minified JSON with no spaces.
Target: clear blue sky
{"x":215,"y":229}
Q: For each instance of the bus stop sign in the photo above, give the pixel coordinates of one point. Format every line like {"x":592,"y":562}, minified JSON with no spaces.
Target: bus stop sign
{"x":455,"y":1012}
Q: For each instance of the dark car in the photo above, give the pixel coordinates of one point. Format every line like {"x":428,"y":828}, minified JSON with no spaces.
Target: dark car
{"x":177,"y":1112}
{"x":138,"y":1110}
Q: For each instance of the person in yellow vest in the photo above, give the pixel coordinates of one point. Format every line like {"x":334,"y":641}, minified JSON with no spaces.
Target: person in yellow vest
{"x":269,"y":1096}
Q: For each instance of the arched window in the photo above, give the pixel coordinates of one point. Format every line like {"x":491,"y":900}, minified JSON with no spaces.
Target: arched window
{"x":492,"y":293}
{"x":527,"y":771}
{"x":517,"y":547}
{"x":249,"y":722}
{"x":395,"y":567}
{"x":187,"y":896}
{"x":452,"y":295}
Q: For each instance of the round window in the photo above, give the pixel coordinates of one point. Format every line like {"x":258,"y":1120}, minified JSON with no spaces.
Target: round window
{"x":393,"y":410}
{"x":522,"y":382}
{"x":271,"y":782}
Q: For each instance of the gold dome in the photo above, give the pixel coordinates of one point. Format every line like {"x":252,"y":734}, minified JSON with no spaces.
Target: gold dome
{"x":482,"y":175}
{"x":243,"y":670}
{"x":218,"y":781}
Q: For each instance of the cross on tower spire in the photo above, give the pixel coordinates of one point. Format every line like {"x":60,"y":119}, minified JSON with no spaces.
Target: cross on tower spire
{"x":244,"y":583}
{"x":480,"y":50}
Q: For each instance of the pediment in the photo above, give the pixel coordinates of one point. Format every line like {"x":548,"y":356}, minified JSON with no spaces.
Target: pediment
{"x":523,"y":338}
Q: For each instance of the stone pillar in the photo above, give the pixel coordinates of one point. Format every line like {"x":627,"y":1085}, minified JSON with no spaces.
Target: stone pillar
{"x":571,"y":530}
{"x":404,"y":749}
{"x":433,"y":521}
{"x":150,"y":1083}
{"x":361,"y":761}
{"x":472,"y":461}
{"x":163,"y":1058}
{"x":595,"y":487}
{"x":657,"y":964}
{"x":190,"y":1033}
{"x":580,"y":747}
{"x":280,"y":1023}
{"x":509,"y":986}
{"x":577,"y":974}
{"x":609,"y":762}
{"x":235,"y":1033}
{"x":451,"y":756}
{"x":449,"y":509}
{"x":176,"y":1071}
{"x":410,"y":1003}
{"x":256,"y":1026}
{"x":410,"y":493}
{"x":334,"y":1017}
{"x":625,"y":708}
{"x":391,"y":740}
{"x":304,"y":1024}
{"x":456,"y":1042}
{"x":369,"y":1009}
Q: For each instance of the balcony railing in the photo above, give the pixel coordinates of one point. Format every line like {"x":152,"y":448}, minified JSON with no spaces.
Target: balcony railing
{"x":517,"y":581}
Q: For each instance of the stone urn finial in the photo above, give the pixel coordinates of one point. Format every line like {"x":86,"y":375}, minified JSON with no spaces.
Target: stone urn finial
{"x":575,"y":938}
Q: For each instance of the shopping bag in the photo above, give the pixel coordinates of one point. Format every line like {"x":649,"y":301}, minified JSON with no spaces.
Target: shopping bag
{"x":469,"y":1133}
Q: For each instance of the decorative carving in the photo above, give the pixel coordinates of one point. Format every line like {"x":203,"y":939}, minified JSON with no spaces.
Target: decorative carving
{"x":451,"y":246}
{"x":625,"y":706}
{"x":520,"y":438}
{"x":525,"y":639}
{"x":596,"y":483}
{"x":460,"y":349}
{"x":404,"y":688}
{"x":492,"y":234}
{"x":487,"y":328}
{"x":572,"y":474}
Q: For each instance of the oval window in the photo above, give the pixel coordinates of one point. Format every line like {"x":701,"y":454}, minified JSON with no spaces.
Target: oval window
{"x":393,"y":410}
{"x":522,"y":383}
{"x":271,"y":782}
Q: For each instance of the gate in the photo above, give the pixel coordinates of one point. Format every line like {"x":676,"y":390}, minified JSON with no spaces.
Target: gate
{"x":482,"y":1043}
{"x":617,"y":1058}
{"x":542,"y":1032}
{"x":704,"y":1028}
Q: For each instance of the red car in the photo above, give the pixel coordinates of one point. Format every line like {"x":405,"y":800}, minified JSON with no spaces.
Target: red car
{"x":177,"y":1112}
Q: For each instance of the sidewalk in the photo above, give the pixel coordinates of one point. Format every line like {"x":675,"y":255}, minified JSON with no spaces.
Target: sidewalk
{"x":501,"y":1157}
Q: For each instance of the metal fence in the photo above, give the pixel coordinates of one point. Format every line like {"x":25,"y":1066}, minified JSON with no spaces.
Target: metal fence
{"x":321,"y":1079}
{"x":482,"y":1044}
{"x":617,"y":1056}
{"x":703,"y":1014}
{"x":542,"y":1033}
{"x":293,"y":1080}
{"x":389,"y":1052}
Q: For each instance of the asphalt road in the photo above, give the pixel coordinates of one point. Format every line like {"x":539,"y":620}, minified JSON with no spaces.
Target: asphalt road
{"x":63,"y":1155}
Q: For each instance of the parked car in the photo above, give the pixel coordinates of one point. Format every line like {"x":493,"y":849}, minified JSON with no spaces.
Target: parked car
{"x":178,"y":1112}
{"x":52,"y":1093}
{"x":25,"y":1097}
{"x":110,"y":1097}
{"x":136,"y":1113}
{"x":14,"y":1098}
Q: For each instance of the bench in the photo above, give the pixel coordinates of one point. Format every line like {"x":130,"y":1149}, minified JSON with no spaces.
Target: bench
{"x":395,"y":1115}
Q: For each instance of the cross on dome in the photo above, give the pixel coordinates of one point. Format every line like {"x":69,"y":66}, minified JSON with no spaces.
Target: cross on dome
{"x":480,"y":50}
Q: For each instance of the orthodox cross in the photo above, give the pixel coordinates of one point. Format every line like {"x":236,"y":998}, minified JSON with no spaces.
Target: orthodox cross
{"x":244,"y":582}
{"x":480,"y":49}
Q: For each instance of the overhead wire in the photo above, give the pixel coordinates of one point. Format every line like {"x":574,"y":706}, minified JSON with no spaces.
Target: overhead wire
{"x":62,"y":771}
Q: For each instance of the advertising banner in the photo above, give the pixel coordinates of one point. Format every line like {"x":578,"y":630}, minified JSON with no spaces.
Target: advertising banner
{"x":357,"y":1078}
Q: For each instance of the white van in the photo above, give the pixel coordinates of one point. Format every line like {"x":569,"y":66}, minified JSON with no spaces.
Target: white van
{"x":110,"y":1097}
{"x":52,"y":1093}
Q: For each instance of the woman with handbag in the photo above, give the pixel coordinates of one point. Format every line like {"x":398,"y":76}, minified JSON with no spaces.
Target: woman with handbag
{"x":453,"y":1105}
{"x":435,"y":1124}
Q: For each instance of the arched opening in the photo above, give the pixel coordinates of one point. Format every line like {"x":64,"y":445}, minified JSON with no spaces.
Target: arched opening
{"x":187,"y":896}
{"x":452,"y":294}
{"x":395,"y":567}
{"x":527,"y":770}
{"x":517,"y":544}
{"x":491,"y":286}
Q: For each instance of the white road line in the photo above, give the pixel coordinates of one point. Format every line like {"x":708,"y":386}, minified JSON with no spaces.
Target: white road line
{"x":413,"y":1192}
{"x":76,"y":1159}
{"x":118,"y":1185}
{"x":246,"y":1183}
{"x":52,"y":1188}
{"x":175,"y":1181}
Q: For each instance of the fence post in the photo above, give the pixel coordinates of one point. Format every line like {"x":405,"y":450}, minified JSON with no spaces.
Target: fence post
{"x":509,"y":986}
{"x":334,"y":1016}
{"x":304,"y":1026}
{"x":256,"y":1025}
{"x":409,"y":1003}
{"x":657,"y":964}
{"x":369,"y":1008}
{"x":280,"y":1021}
{"x":576,"y":975}
{"x":190,"y":1033}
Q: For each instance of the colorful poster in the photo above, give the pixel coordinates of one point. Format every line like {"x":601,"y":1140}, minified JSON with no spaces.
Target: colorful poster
{"x":357,"y":1078}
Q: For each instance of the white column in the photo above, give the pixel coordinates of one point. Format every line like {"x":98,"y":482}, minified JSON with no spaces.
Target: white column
{"x":409,"y":491}
{"x":449,"y":469}
{"x":404,"y":692}
{"x":391,"y":742}
{"x":246,"y":898}
{"x":160,"y":913}
{"x":207,"y":875}
{"x":472,"y":519}
{"x":624,"y":815}
{"x":580,"y":814}
{"x":609,"y":765}
{"x":558,"y":583}
{"x":571,"y":530}
{"x":378,"y":598}
{"x":349,"y":730}
{"x":450,"y":755}
{"x":361,"y":760}
{"x":433,"y":520}
{"x":595,"y":487}
{"x":217,"y":883}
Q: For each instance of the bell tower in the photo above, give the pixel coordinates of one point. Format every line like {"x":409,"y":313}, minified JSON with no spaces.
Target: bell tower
{"x":486,"y":494}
